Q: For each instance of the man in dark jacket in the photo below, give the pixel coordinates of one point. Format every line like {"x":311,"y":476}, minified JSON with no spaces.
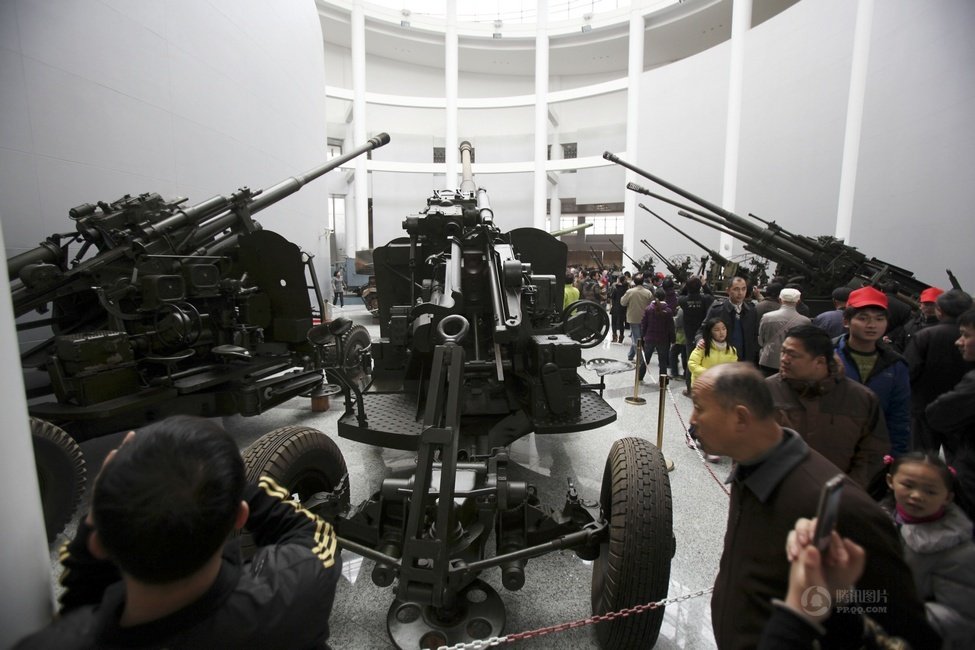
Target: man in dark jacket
{"x":875,"y":364}
{"x":739,"y":317}
{"x":835,"y":415}
{"x":832,"y":321}
{"x":936,"y":365}
{"x":694,"y":306}
{"x":776,"y":480}
{"x":952,"y":416}
{"x":149,"y":566}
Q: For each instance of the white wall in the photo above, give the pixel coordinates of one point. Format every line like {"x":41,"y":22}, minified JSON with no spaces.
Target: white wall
{"x":682,"y":126}
{"x":180,"y":97}
{"x":915,"y":190}
{"x":797,"y":79}
{"x":103,"y":98}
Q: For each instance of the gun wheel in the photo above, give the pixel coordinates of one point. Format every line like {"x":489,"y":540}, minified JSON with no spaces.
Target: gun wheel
{"x":302,"y":460}
{"x":633,"y":567}
{"x":61,"y":473}
{"x":585,"y":322}
{"x":355,"y":343}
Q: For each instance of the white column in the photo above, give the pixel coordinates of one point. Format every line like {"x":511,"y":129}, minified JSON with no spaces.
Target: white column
{"x":450,"y":93}
{"x":359,"y":235}
{"x":854,"y":120}
{"x":741,"y":20}
{"x":634,"y":73}
{"x":25,"y":570}
{"x":541,"y":114}
{"x":555,"y":202}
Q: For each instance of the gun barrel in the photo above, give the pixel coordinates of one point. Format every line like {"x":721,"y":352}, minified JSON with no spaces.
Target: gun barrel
{"x":45,"y":253}
{"x":291,"y":185}
{"x":717,"y":257}
{"x":467,"y":175}
{"x":769,"y":237}
{"x":670,"y":267}
{"x":620,"y":249}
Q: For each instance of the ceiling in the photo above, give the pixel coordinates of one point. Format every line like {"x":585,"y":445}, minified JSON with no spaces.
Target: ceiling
{"x":678,"y":31}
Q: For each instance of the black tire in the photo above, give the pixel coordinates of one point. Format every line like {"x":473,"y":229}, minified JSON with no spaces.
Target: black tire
{"x":302,"y":460}
{"x":61,"y":473}
{"x":633,"y":567}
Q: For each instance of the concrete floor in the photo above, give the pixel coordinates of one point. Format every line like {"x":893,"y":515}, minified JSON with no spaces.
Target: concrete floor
{"x":557,"y":587}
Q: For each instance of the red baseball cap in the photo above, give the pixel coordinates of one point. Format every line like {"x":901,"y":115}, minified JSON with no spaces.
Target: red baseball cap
{"x":867,"y":297}
{"x":931,"y":294}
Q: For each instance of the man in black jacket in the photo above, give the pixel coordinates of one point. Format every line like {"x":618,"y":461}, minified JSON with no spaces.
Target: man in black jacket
{"x":149,"y":566}
{"x":953,"y":417}
{"x":739,"y":317}
{"x":694,"y":305}
{"x":936,"y":364}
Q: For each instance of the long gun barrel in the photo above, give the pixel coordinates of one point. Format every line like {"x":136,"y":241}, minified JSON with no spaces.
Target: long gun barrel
{"x":595,"y":258}
{"x":765,"y":242}
{"x":620,"y":249}
{"x":670,"y":266}
{"x":147,"y":224}
{"x":717,"y":257}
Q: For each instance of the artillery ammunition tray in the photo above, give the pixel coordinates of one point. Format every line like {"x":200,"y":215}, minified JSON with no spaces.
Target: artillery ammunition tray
{"x":392,"y":422}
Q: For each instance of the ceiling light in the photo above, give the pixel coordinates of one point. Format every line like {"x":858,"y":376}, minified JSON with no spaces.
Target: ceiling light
{"x":496,"y":35}
{"x":586,"y":28}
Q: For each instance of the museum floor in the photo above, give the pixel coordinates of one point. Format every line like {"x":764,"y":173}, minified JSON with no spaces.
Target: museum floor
{"x":557,"y":585}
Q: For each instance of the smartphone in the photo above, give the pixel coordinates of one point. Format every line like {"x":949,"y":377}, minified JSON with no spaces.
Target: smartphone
{"x":828,"y":511}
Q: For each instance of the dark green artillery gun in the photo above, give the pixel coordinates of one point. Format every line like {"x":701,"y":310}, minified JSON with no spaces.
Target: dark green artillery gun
{"x":475,"y":351}
{"x":151,"y":308}
{"x":818,"y":264}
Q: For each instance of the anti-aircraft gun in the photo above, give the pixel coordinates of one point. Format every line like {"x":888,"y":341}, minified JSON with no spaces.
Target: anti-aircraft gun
{"x":155,"y":308}
{"x":818,"y":264}
{"x":678,"y":272}
{"x":476,"y":351}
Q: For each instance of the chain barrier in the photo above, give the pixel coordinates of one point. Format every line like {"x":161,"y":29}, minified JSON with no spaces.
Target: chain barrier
{"x":696,"y":447}
{"x":561,"y":627}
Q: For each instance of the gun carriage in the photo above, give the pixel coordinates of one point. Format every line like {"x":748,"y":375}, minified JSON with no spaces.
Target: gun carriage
{"x":475,"y":351}
{"x":151,"y":308}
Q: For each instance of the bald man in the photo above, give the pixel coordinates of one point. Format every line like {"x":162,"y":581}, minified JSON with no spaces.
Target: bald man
{"x":776,"y":480}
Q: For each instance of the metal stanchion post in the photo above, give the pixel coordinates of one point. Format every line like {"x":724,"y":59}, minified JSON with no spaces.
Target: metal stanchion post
{"x":664,"y":381}
{"x":636,"y":399}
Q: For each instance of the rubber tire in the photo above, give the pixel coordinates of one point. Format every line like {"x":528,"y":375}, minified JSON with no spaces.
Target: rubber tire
{"x":61,"y":474}
{"x":633,"y":567}
{"x":302,"y":460}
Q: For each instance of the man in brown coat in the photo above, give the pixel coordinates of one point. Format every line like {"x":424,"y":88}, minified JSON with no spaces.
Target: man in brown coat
{"x":776,"y":480}
{"x":836,"y":416}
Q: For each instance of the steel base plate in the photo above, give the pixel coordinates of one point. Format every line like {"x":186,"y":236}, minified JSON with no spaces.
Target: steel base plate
{"x":479,"y":615}
{"x":604,"y":367}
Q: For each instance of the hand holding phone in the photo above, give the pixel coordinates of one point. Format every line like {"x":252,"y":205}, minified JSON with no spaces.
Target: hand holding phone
{"x":828,"y":511}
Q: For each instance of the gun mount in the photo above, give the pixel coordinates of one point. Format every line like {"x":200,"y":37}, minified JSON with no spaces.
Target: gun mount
{"x":818,"y":264}
{"x":476,"y":351}
{"x":155,"y":308}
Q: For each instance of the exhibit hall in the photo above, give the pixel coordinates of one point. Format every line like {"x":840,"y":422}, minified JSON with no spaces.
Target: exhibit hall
{"x":363,"y":227}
